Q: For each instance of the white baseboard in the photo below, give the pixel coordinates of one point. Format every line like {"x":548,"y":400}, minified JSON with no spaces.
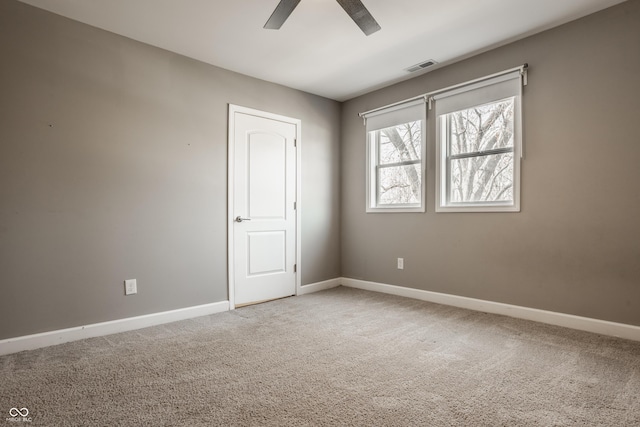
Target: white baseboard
{"x":31,"y":342}
{"x":45,"y":339}
{"x":319,"y":286}
{"x":603,"y":327}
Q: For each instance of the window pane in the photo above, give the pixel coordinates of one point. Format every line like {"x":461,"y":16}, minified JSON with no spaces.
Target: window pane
{"x":400,"y":143}
{"x":481,"y":128}
{"x":400,"y":184}
{"x":482,"y":179}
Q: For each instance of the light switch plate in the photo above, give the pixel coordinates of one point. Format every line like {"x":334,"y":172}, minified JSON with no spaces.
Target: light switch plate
{"x":130,"y":286}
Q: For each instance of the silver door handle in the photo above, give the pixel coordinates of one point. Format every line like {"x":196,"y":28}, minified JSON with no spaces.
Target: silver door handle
{"x":240,"y":219}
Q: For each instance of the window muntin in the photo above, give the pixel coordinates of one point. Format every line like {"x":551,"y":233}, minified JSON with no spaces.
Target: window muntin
{"x":479,"y":154}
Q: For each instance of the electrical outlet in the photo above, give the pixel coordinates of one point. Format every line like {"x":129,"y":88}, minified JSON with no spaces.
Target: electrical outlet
{"x":130,"y":286}
{"x":400,"y":263}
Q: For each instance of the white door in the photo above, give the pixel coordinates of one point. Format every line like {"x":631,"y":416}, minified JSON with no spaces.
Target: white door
{"x":262,"y":211}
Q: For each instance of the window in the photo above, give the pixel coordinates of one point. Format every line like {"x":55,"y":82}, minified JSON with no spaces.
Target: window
{"x":478,"y":146}
{"x":395,"y":158}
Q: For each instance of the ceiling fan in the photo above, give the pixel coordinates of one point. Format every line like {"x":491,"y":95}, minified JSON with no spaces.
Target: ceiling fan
{"x":354,"y":8}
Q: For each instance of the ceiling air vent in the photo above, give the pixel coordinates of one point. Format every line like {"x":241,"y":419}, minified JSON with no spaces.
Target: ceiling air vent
{"x":421,"y":66}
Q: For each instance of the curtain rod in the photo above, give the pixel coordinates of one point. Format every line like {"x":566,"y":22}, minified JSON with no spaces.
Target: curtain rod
{"x":426,"y":96}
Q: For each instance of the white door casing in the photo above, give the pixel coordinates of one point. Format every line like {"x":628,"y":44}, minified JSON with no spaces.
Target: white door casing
{"x":264,"y":176}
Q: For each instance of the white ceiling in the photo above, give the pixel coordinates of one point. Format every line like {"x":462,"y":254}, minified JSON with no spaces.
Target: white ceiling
{"x":320,"y":49}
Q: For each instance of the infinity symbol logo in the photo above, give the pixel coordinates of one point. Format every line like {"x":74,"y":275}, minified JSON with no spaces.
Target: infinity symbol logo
{"x":14,"y":412}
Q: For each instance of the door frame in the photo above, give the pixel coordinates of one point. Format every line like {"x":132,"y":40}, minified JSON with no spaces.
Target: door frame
{"x":233,"y":109}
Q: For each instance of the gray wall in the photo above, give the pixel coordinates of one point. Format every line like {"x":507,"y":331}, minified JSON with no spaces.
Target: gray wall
{"x":113,"y":162}
{"x":575,"y":247}
{"x":113,"y":166}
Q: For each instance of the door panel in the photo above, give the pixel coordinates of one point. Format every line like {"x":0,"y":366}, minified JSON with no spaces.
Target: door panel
{"x":264,"y":191}
{"x":266,"y":252}
{"x":267,"y":173}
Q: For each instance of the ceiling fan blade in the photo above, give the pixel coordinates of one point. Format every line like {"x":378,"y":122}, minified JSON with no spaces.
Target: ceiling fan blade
{"x":360,"y":15}
{"x":282,"y":12}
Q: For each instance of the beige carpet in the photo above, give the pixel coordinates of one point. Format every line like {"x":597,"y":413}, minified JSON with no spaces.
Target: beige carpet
{"x":339,"y":357}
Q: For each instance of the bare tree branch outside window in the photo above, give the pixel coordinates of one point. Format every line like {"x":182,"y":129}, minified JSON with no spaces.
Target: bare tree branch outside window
{"x":480,"y":143}
{"x":399,"y":170}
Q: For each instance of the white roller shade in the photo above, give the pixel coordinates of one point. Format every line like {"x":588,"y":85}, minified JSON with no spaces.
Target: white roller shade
{"x":490,"y":90}
{"x":396,"y":115}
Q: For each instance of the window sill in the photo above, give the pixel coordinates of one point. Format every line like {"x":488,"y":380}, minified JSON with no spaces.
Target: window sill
{"x":403,"y":209}
{"x":478,"y":208}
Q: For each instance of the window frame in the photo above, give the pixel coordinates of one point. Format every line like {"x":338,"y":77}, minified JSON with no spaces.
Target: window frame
{"x":443,"y":161}
{"x":398,"y":114}
{"x":373,"y":167}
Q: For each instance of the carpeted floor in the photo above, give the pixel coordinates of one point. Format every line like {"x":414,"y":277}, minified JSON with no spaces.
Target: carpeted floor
{"x":339,"y":357}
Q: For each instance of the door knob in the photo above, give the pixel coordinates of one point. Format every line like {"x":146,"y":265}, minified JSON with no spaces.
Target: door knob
{"x":240,"y":219}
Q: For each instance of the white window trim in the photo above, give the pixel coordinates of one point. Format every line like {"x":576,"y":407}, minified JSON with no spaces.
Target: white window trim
{"x":432,"y":96}
{"x":372,"y":187}
{"x":441,"y":204}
